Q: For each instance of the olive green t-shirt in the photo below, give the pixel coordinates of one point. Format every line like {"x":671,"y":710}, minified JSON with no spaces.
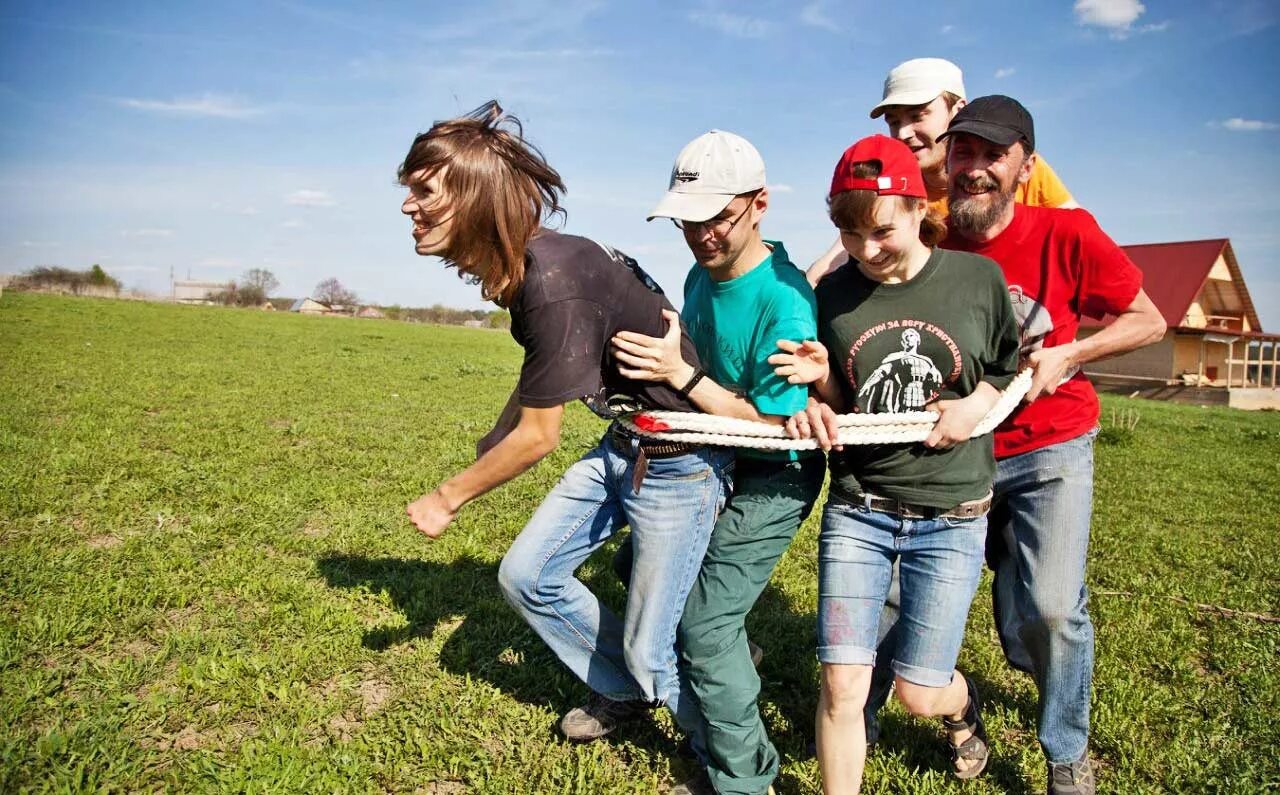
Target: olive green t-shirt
{"x":897,"y":348}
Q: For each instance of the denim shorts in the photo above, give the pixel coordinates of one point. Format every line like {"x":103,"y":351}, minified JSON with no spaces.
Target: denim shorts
{"x":939,"y":562}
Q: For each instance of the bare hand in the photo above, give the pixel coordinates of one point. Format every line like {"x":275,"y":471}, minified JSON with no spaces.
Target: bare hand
{"x":1050,"y":367}
{"x":817,"y":421}
{"x":802,"y":363}
{"x":430,"y":514}
{"x":956,"y":421}
{"x":646,"y":358}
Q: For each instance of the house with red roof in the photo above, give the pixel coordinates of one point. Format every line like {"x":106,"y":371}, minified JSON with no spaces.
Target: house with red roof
{"x":1215,"y":342}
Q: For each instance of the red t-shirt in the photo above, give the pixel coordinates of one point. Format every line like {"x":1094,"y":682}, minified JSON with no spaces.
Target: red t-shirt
{"x":1059,"y":265}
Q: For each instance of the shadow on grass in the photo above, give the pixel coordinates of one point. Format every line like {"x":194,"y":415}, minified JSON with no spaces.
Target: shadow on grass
{"x":488,"y":640}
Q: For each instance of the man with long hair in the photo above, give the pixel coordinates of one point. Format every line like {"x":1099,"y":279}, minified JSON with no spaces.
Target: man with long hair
{"x":478,"y":196}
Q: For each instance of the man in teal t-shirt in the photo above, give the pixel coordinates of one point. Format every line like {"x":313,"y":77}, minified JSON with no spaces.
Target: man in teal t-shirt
{"x":735,"y":323}
{"x":741,"y":297}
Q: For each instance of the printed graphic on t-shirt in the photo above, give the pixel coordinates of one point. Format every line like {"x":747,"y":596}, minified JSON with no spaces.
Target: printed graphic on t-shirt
{"x":1034,"y":322}
{"x":910,"y":375}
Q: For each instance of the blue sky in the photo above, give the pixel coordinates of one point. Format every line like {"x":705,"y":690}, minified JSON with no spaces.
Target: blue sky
{"x":217,"y":137}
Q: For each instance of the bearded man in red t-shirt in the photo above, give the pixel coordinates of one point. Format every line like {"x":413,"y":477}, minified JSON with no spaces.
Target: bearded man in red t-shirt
{"x":1059,"y":265}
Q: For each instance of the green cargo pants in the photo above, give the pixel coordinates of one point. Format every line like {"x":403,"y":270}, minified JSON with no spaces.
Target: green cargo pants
{"x":770,"y":500}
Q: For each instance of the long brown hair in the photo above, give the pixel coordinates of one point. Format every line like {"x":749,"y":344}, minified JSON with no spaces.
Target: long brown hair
{"x":852,"y":209}
{"x":497,"y":189}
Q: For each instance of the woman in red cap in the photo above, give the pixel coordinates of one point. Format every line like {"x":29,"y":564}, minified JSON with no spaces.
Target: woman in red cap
{"x":910,"y":328}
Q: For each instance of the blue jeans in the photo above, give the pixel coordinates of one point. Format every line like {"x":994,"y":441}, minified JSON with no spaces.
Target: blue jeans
{"x":939,"y":561}
{"x":1044,"y":499}
{"x":671,"y":517}
{"x":1037,"y":543}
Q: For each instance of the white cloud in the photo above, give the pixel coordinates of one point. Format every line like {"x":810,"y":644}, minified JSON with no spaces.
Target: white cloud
{"x":1115,"y":15}
{"x":215,"y":106}
{"x":310,"y":198}
{"x":146,"y":233}
{"x":945,"y":29}
{"x":732,"y":24}
{"x":1155,"y":27}
{"x":815,"y":14}
{"x":293,"y":223}
{"x":1238,"y":124}
{"x":39,"y":244}
{"x":1005,"y":72}
{"x":781,"y":187}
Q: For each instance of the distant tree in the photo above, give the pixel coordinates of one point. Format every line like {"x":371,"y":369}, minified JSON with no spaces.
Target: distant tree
{"x":54,"y":277}
{"x":259,"y":279}
{"x":499,"y":318}
{"x":330,"y":291}
{"x":99,"y":278}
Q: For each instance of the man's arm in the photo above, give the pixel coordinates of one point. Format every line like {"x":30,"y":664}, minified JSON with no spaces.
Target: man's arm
{"x":834,"y":258}
{"x":536,"y":433}
{"x":506,"y":422}
{"x":646,"y":358}
{"x":1138,"y":325}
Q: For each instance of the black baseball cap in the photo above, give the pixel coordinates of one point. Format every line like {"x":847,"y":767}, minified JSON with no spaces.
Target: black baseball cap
{"x":996,"y":118}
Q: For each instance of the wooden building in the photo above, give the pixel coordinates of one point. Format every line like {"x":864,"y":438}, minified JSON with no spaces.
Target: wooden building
{"x":1215,"y":342}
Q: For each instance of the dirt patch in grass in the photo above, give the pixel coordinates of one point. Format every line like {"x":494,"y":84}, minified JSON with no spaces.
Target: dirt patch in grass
{"x":105,"y":541}
{"x":188,"y":738}
{"x":373,"y":694}
{"x":313,"y":529}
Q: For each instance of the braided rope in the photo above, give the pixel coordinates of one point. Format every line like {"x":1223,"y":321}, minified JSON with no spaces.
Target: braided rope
{"x":914,"y":426}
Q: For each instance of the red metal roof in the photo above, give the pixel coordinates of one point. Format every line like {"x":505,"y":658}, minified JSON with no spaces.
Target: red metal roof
{"x":1174,"y":273}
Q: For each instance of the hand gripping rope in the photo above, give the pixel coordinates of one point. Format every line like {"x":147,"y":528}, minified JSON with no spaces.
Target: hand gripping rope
{"x":694,"y":428}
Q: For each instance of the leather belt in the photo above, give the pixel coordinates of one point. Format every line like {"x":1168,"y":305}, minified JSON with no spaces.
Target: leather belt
{"x":907,"y":510}
{"x":652,"y":448}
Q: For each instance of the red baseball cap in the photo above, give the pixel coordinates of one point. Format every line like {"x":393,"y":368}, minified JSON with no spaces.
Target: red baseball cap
{"x":899,"y":171}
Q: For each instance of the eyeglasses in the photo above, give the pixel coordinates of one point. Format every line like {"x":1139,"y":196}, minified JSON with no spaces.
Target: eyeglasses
{"x":718,"y":227}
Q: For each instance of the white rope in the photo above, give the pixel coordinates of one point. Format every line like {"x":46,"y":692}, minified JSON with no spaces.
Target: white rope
{"x":914,"y":426}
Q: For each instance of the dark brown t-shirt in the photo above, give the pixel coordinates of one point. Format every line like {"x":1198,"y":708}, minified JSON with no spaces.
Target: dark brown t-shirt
{"x":576,"y":295}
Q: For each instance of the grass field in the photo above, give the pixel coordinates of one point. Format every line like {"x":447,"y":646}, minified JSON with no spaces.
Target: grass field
{"x":207,"y":581}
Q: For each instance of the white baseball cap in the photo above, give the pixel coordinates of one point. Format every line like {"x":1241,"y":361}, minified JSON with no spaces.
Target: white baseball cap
{"x":709,"y":172}
{"x":919,"y":82}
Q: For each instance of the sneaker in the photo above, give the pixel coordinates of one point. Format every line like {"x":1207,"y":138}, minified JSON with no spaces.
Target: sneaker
{"x":599,"y":716}
{"x":1072,"y":778}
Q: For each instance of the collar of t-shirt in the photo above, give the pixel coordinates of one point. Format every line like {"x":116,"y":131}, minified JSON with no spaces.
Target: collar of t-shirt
{"x":776,"y":251}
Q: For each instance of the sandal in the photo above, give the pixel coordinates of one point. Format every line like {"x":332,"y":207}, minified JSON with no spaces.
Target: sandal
{"x":975,"y":748}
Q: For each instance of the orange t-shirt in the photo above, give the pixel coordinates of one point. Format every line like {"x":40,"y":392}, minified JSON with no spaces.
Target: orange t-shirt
{"x":1044,"y":189}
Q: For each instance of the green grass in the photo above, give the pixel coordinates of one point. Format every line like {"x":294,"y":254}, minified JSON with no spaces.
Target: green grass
{"x":207,"y":581}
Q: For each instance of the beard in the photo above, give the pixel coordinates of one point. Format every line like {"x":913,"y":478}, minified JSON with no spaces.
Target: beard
{"x":970,"y":214}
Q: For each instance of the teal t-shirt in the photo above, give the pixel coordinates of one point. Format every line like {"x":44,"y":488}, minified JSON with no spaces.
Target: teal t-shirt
{"x":735,"y":325}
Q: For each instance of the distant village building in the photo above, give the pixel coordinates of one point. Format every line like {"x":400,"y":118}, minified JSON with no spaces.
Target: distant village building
{"x":309,"y":306}
{"x":370,"y":311}
{"x":190,"y":291}
{"x":473,"y":323}
{"x":1215,"y":349}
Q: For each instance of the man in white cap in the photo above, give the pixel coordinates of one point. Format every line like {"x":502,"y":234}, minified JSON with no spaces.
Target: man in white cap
{"x":742,"y":295}
{"x":921,"y":97}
